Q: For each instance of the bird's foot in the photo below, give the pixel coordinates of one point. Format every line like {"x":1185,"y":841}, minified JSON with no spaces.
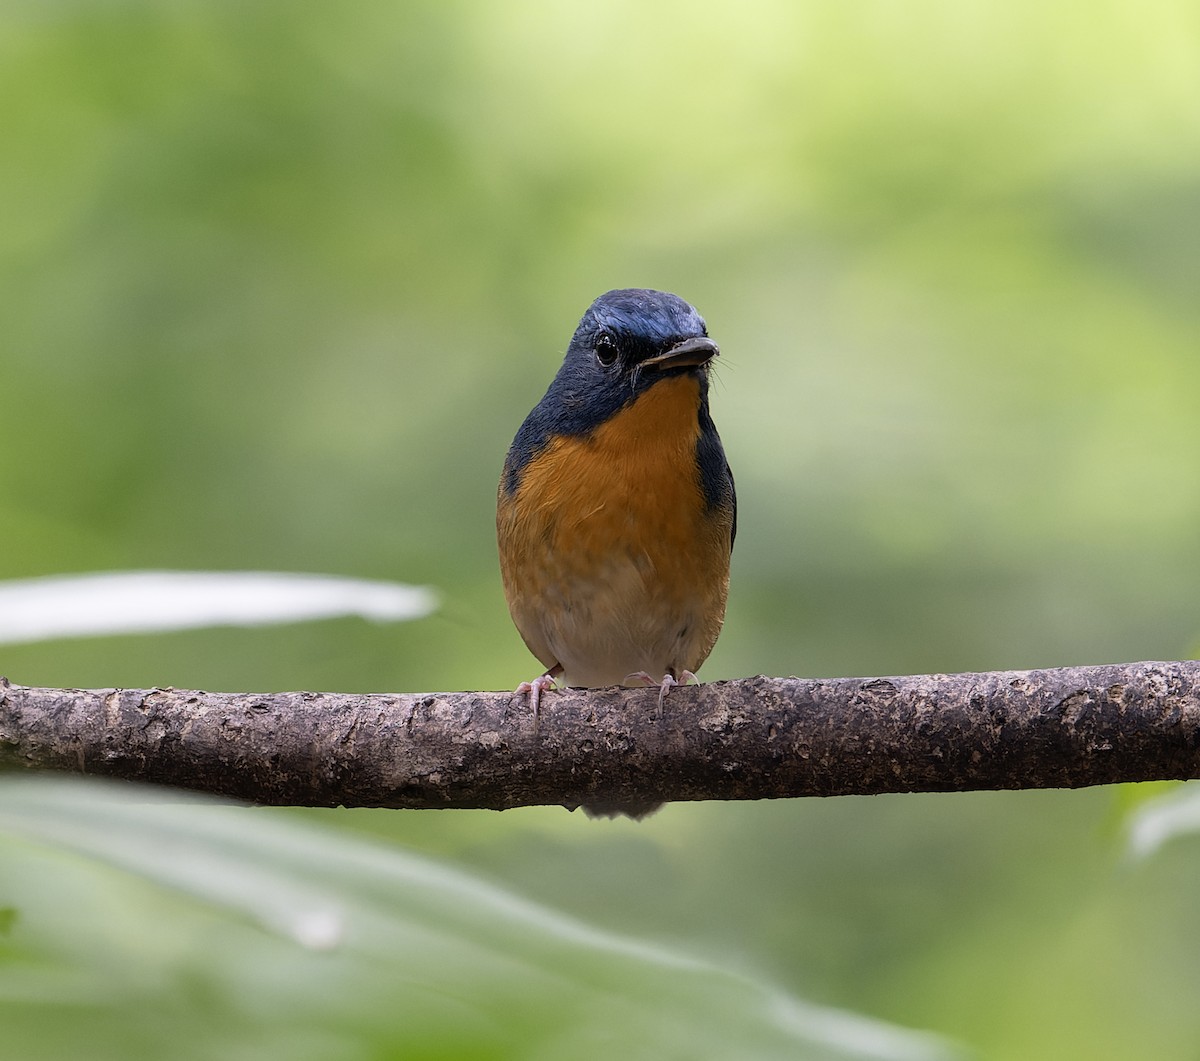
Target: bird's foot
{"x":665,"y":686}
{"x":538,"y":686}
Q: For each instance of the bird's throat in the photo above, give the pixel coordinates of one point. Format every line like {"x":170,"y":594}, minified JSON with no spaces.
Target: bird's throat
{"x":663,"y":418}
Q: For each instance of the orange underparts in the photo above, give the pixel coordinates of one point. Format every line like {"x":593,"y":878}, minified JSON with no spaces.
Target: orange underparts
{"x":608,"y":549}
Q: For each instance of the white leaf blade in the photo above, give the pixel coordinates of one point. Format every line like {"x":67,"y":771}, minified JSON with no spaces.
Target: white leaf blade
{"x":141,"y":602}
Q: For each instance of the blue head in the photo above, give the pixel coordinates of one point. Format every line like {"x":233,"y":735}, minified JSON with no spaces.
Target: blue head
{"x":626,"y":342}
{"x":625,"y":330}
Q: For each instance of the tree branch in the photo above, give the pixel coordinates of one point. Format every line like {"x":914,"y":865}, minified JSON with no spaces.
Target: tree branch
{"x":757,"y":738}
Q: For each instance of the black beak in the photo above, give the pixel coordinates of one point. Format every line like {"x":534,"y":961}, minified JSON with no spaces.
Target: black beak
{"x":699,"y":350}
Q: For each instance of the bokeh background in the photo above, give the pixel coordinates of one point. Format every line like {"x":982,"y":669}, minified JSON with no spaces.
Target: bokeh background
{"x":278,"y":283}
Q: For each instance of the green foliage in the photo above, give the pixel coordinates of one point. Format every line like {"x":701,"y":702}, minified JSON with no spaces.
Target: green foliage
{"x":280,"y":281}
{"x":183,"y":929}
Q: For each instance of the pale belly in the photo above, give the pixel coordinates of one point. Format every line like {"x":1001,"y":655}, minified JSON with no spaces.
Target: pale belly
{"x":626,"y":615}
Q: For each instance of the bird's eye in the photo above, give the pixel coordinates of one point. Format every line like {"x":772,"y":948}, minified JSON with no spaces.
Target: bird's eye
{"x":606,"y":350}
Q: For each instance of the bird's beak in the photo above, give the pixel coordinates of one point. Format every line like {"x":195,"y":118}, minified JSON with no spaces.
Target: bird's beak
{"x":699,"y":350}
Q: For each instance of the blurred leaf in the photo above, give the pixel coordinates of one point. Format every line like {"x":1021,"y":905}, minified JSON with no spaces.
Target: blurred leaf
{"x":1164,"y":818}
{"x":122,"y":602}
{"x":221,"y":926}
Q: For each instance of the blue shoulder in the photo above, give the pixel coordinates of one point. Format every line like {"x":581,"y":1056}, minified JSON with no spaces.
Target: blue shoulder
{"x":576,"y":404}
{"x":716,"y":477}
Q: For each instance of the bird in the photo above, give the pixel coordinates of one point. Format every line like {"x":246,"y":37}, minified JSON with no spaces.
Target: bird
{"x":616,"y":510}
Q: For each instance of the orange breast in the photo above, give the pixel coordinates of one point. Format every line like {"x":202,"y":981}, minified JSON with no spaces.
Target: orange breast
{"x":610,"y":561}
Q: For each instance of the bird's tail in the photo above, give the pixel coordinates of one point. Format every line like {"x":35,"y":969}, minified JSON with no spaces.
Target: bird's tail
{"x":636,"y":811}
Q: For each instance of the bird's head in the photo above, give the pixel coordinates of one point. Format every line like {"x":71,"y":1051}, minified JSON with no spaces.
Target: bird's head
{"x":629,"y":339}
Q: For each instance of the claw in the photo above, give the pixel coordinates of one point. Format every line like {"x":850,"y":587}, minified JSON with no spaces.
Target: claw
{"x":538,"y":686}
{"x":665,"y":686}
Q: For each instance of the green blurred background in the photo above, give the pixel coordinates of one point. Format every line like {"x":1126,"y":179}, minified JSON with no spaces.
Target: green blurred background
{"x":278,"y":282}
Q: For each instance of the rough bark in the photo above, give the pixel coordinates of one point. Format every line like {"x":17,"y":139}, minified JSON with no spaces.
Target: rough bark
{"x":756,"y":738}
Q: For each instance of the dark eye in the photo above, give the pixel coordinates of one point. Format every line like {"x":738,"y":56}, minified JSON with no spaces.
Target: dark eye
{"x":606,"y":350}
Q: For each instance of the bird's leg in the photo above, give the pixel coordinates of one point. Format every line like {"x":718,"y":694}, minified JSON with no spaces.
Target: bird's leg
{"x":539,"y":685}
